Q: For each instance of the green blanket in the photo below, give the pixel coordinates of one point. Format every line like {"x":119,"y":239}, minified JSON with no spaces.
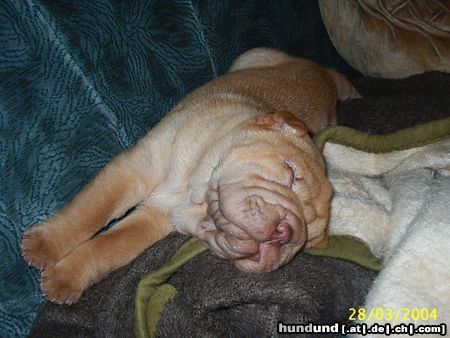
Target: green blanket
{"x":152,"y":294}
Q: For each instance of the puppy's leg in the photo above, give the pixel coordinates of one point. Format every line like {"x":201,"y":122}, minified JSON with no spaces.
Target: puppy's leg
{"x":122,"y":184}
{"x":116,"y":247}
{"x":260,"y":57}
{"x":345,"y":89}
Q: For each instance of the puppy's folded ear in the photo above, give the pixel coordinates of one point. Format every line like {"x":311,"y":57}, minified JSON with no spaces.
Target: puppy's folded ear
{"x":282,"y":121}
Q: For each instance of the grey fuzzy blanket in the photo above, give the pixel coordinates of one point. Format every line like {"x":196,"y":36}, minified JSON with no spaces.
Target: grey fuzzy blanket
{"x":214,"y":299}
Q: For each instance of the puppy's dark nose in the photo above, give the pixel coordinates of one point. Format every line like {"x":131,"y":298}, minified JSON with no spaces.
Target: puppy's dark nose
{"x":282,"y":234}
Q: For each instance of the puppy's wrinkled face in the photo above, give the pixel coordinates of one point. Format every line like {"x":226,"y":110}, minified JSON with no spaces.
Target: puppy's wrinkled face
{"x":270,"y":198}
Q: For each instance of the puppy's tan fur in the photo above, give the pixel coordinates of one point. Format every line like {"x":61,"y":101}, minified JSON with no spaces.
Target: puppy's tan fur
{"x":231,"y":164}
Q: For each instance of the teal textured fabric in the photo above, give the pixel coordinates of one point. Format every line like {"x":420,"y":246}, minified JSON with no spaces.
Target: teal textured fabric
{"x":82,"y":80}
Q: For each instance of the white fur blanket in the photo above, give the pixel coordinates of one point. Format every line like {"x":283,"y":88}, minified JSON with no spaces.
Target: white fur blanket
{"x":399,"y":204}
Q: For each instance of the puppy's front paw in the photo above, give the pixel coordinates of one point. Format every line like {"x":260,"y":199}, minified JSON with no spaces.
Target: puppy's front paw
{"x":61,"y":284}
{"x":39,"y":248}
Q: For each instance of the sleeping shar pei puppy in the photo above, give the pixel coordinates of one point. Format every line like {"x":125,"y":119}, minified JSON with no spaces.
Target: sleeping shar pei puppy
{"x":231,"y":164}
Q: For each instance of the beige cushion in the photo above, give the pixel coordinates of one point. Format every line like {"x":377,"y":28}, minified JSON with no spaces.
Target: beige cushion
{"x":390,"y":38}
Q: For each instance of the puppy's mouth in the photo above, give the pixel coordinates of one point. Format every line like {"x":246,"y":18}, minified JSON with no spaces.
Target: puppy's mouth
{"x":251,"y":255}
{"x":257,"y":227}
{"x":270,"y":255}
{"x":268,"y":258}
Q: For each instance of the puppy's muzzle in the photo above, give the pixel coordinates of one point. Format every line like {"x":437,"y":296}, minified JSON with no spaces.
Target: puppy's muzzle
{"x":253,"y":225}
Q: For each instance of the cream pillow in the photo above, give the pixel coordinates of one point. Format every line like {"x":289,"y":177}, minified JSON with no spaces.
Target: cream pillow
{"x":390,"y":39}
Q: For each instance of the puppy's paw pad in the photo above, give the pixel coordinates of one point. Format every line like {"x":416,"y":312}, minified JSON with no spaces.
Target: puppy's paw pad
{"x":37,"y":249}
{"x":60,"y":285}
